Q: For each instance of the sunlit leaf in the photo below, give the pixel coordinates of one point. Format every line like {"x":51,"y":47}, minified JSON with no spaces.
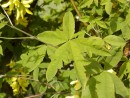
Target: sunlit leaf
{"x":68,"y":25}
{"x":52,"y":37}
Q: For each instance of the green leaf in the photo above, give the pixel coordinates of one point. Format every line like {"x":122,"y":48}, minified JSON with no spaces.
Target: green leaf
{"x":85,"y":19}
{"x":36,"y":73}
{"x":105,"y":86}
{"x":68,"y":25}
{"x":122,"y":70}
{"x":115,"y":57}
{"x":127,"y":19}
{"x":50,"y":51}
{"x":2,"y":24}
{"x":101,"y":24}
{"x":116,"y":23}
{"x":53,"y":68}
{"x":33,"y":58}
{"x":96,"y":2}
{"x":93,"y":68}
{"x":108,"y":7}
{"x":52,"y":37}
{"x":114,"y":40}
{"x":104,"y":2}
{"x":79,"y":63}
{"x":62,"y":54}
{"x":90,"y":90}
{"x":1,"y":50}
{"x":1,"y":16}
{"x":125,"y":32}
{"x":2,"y":95}
{"x":85,"y":3}
{"x":93,"y":45}
{"x":119,"y":86}
{"x":122,"y":1}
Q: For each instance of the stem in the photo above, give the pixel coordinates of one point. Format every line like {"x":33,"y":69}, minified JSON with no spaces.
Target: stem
{"x":79,"y":14}
{"x":7,"y":16}
{"x":16,"y":38}
{"x":77,"y":11}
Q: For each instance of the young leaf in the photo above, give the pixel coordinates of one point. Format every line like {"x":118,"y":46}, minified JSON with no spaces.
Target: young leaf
{"x":105,"y":86}
{"x":68,"y":25}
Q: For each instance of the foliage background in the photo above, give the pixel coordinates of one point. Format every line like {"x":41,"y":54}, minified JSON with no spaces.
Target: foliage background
{"x":66,"y":49}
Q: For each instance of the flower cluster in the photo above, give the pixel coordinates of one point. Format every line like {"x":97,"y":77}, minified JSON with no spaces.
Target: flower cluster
{"x":19,"y":84}
{"x":21,"y":7}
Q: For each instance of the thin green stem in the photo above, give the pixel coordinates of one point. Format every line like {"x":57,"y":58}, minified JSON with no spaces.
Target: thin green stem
{"x":31,"y":36}
{"x":15,"y":37}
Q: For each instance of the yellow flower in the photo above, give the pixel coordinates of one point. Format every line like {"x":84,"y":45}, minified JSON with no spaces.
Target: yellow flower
{"x":21,"y":7}
{"x":21,"y":21}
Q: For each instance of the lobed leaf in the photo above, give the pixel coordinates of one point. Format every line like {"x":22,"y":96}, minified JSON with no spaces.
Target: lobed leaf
{"x":79,"y":62}
{"x":33,"y":58}
{"x":62,"y":54}
{"x":93,"y":45}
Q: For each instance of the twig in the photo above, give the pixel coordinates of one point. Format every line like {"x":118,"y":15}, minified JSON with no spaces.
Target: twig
{"x":77,"y":11}
{"x":79,"y":14}
{"x":7,"y":16}
{"x":34,"y":96}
